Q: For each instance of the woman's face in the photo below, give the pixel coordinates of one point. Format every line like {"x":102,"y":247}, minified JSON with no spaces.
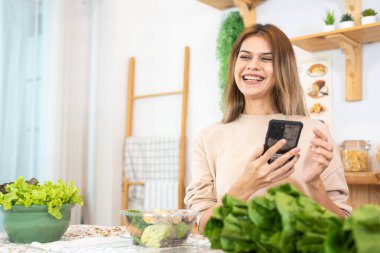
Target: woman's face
{"x":254,"y":68}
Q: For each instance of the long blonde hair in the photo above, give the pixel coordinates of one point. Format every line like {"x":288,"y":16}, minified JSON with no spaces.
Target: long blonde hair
{"x":287,"y":92}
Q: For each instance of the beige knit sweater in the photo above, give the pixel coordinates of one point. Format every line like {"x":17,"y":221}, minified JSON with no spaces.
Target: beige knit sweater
{"x":222,"y":151}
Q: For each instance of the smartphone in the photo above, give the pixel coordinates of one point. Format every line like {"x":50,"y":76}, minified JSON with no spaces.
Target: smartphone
{"x":282,"y":129}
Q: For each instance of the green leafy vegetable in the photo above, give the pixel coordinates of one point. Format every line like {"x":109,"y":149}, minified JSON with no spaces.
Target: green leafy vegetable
{"x":285,"y":220}
{"x":137,"y":220}
{"x":155,"y":235}
{"x":27,"y":193}
{"x":365,"y":226}
{"x":181,"y":230}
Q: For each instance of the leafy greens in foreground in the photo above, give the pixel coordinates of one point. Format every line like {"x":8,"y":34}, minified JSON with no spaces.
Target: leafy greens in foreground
{"x":285,"y":220}
{"x":27,"y":193}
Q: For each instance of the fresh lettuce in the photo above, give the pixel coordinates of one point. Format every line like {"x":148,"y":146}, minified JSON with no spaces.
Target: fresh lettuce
{"x":181,"y":230}
{"x":285,"y":220}
{"x":27,"y":193}
{"x":137,"y":220}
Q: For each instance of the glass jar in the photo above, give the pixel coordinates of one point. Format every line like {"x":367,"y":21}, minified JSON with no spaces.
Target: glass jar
{"x":355,"y":155}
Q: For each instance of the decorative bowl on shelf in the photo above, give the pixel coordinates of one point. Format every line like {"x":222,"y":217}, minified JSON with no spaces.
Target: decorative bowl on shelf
{"x":35,"y":224}
{"x":159,"y":228}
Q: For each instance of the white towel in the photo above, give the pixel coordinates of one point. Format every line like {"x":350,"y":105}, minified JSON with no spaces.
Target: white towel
{"x":91,"y":244}
{"x":148,"y":159}
{"x":116,"y":244}
{"x":161,"y":194}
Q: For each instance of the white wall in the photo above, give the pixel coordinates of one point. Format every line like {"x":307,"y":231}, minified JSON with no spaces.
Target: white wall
{"x":156,"y":32}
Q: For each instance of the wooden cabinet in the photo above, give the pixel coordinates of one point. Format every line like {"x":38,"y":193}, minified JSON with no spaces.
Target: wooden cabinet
{"x":364,"y":188}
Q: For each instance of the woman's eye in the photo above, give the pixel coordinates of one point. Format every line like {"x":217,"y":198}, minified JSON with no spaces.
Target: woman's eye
{"x":244,"y":57}
{"x":266,"y":59}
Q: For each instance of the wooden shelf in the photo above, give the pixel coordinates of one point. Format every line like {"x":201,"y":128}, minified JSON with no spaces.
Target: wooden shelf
{"x":350,"y":40}
{"x":369,"y":178}
{"x":225,"y":4}
{"x":247,"y":8}
{"x":219,"y":4}
{"x":324,"y":41}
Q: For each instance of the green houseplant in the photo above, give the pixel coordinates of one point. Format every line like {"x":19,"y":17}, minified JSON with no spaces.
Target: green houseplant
{"x":34,"y":212}
{"x":232,"y":25}
{"x":368,"y":16}
{"x":329,"y":21}
{"x":346,"y":21}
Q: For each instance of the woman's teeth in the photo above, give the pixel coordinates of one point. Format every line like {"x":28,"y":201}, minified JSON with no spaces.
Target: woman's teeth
{"x":255,"y":78}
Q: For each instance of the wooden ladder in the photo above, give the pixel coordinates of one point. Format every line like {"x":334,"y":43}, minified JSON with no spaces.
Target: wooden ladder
{"x":128,"y":133}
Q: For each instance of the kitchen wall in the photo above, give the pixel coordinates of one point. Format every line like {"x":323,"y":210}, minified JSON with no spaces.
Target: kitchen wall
{"x":156,"y":32}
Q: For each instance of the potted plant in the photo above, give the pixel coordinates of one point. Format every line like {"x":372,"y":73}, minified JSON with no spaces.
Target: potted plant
{"x":329,"y":21}
{"x":368,"y":16}
{"x":346,"y":21}
{"x":34,"y":212}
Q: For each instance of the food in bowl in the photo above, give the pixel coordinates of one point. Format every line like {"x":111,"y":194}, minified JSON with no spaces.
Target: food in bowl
{"x":317,"y":108}
{"x":37,"y":212}
{"x":316,"y":70}
{"x":318,"y":89}
{"x":159,"y":228}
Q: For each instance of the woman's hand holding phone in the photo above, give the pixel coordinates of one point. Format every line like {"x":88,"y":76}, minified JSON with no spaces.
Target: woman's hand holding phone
{"x":259,"y":173}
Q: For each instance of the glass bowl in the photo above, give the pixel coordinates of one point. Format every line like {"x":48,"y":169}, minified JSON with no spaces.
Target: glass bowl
{"x":159,"y":228}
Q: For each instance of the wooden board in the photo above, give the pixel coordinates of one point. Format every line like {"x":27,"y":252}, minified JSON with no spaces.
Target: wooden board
{"x":359,"y":195}
{"x":374,"y":194}
{"x":219,"y":4}
{"x":372,"y":178}
{"x":225,"y":4}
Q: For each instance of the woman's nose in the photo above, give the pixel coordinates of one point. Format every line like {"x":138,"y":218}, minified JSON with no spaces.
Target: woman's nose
{"x":253,"y":64}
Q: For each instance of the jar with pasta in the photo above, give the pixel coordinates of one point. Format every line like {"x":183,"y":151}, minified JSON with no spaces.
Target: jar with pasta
{"x":355,"y":155}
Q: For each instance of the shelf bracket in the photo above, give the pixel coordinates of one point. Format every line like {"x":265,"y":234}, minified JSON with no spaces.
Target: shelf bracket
{"x":353,"y":54}
{"x":247,"y":10}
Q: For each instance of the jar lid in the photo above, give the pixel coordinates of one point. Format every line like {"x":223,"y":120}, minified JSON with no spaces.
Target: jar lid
{"x":356,"y":143}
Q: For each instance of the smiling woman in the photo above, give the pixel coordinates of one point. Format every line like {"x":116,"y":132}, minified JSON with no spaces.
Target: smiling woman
{"x":229,"y":158}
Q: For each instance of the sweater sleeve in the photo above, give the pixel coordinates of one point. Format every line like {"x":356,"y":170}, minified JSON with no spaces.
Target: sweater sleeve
{"x":200,"y":193}
{"x":333,"y":178}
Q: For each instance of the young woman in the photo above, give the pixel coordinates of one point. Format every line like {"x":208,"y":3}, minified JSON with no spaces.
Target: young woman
{"x":263,"y":84}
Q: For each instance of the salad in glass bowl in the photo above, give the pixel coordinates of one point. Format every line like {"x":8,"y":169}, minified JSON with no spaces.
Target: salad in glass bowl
{"x":159,"y":228}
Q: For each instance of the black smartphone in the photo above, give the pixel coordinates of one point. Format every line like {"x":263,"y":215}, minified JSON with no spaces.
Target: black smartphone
{"x":282,"y":129}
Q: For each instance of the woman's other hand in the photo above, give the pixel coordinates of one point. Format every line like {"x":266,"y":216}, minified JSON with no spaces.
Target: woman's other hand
{"x":259,"y":173}
{"x":318,"y":157}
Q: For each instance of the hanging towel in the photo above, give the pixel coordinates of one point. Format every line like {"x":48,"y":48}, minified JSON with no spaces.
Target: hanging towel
{"x":150,"y":159}
{"x":161,"y":194}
